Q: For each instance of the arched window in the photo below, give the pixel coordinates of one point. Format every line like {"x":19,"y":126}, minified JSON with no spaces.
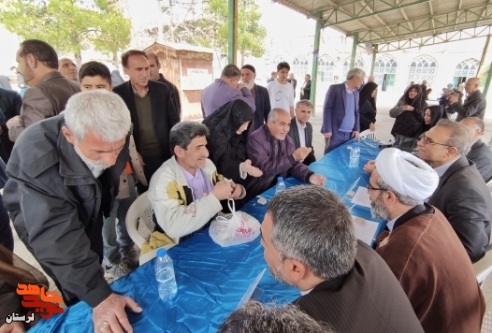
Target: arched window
{"x":346,"y":65}
{"x":299,"y":67}
{"x":423,"y":68}
{"x":326,"y":67}
{"x":465,"y":70}
{"x":385,"y":72}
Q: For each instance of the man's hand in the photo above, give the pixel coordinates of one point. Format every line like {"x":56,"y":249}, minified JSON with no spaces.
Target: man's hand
{"x":327,"y":135}
{"x":110,"y":316}
{"x":223,"y":190}
{"x":408,"y":108}
{"x":240,"y":85}
{"x":301,"y":153}
{"x":13,"y":122}
{"x":318,"y":180}
{"x":355,"y":135}
{"x":370,"y":166}
{"x":372,"y":127}
{"x":14,"y":327}
{"x":250,"y":169}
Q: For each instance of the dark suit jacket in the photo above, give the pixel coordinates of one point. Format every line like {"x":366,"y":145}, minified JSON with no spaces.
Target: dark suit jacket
{"x":334,"y":109}
{"x":367,"y":299}
{"x":173,"y":92}
{"x":306,"y":94}
{"x":474,"y":106}
{"x":481,"y":155}
{"x":10,"y":104}
{"x":463,"y":197}
{"x":164,"y":114}
{"x":262,"y":102}
{"x":294,"y":134}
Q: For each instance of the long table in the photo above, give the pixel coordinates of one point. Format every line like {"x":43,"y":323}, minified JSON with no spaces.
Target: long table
{"x":211,"y":280}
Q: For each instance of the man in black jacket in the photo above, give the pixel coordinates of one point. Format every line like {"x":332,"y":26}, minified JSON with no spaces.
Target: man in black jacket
{"x":154,"y":65}
{"x":64,"y":174}
{"x":10,"y":105}
{"x":462,"y":195}
{"x":260,"y":95}
{"x":313,"y":247}
{"x":152,"y":111}
{"x":475,"y":103}
{"x":301,"y":130}
{"x":479,"y":153}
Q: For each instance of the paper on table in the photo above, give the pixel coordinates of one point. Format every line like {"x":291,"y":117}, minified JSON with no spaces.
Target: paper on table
{"x":247,"y":295}
{"x":365,"y":230}
{"x":361,"y":197}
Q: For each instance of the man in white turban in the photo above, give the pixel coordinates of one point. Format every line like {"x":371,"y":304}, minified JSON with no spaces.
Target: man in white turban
{"x":421,"y":247}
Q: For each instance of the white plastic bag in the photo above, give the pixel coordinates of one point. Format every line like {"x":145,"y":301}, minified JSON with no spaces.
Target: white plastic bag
{"x":235,"y":228}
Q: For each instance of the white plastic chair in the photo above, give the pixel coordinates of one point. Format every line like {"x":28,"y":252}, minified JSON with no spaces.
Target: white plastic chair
{"x":142,"y":210}
{"x":483,"y":267}
{"x":381,"y":136}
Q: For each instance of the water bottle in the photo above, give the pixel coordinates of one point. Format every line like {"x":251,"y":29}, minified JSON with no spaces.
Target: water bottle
{"x":280,"y":185}
{"x":354,"y":157}
{"x":164,"y":274}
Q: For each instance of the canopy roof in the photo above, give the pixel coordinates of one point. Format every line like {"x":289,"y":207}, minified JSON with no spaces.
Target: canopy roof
{"x":397,"y":24}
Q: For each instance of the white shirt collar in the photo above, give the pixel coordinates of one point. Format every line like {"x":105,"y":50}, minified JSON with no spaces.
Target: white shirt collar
{"x":304,"y":293}
{"x":443,"y":168}
{"x":391,"y":223}
{"x":299,"y":124}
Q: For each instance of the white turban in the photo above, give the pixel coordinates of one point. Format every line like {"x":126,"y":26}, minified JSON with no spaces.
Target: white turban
{"x":406,"y":173}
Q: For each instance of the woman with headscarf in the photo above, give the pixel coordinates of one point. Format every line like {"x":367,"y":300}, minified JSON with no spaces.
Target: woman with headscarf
{"x":367,"y":106}
{"x":229,"y":128}
{"x":408,"y":114}
{"x":432,"y":115}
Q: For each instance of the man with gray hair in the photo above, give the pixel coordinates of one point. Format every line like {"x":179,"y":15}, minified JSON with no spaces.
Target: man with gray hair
{"x":185,"y":192}
{"x":68,"y":68}
{"x":421,"y":247}
{"x":341,"y":111}
{"x":64,"y":173}
{"x":272,"y":150}
{"x":313,"y":247}
{"x":301,"y":130}
{"x":462,"y":195}
{"x":479,"y":153}
{"x":255,"y":317}
{"x":225,"y":89}
{"x":475,"y":103}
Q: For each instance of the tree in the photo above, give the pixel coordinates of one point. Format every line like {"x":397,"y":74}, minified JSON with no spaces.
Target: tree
{"x":68,"y":25}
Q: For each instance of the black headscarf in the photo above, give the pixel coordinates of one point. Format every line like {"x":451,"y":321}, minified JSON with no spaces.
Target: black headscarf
{"x":365,"y":94}
{"x":437,"y":113}
{"x":223,"y":125}
{"x":419,"y":101}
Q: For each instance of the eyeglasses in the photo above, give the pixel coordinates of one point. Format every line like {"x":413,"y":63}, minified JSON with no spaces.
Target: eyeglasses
{"x":372,"y":188}
{"x":427,"y":141}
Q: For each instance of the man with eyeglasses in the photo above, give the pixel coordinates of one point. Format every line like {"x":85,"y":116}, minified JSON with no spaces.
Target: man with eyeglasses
{"x":462,"y":195}
{"x":421,"y":247}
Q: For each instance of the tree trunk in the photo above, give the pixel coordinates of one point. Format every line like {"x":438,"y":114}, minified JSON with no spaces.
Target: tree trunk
{"x":115,"y":60}
{"x":242,"y":59}
{"x":78,"y":59}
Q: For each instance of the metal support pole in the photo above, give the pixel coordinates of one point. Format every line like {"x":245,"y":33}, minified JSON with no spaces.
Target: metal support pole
{"x":373,"y":60}
{"x":314,"y":70}
{"x":484,"y":54}
{"x":232,"y":32}
{"x":354,"y":50}
{"x":487,"y":81}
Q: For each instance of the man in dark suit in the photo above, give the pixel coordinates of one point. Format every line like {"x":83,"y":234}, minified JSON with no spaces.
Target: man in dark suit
{"x":10,"y":105}
{"x":462,"y":195}
{"x":301,"y":130}
{"x":152,"y":111}
{"x":314,"y":248}
{"x":155,"y":65}
{"x":341,"y":111}
{"x":306,"y":87}
{"x":479,"y":153}
{"x":475,"y":103}
{"x":260,"y":95}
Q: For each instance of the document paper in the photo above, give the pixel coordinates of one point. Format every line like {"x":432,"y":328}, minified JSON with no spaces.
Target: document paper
{"x":365,"y":230}
{"x":361,"y":197}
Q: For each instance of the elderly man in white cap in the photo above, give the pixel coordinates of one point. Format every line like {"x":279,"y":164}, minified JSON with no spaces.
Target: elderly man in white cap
{"x":421,"y":247}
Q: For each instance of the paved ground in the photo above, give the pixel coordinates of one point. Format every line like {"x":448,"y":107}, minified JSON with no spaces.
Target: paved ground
{"x":384,"y":123}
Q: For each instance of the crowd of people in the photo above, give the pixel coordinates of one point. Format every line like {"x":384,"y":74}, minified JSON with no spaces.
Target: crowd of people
{"x":86,"y":144}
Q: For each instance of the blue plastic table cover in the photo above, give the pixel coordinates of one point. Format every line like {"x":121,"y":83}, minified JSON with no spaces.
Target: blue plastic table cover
{"x":211,"y":280}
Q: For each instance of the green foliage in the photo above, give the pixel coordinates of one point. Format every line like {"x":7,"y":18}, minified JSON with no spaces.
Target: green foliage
{"x":68,"y":25}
